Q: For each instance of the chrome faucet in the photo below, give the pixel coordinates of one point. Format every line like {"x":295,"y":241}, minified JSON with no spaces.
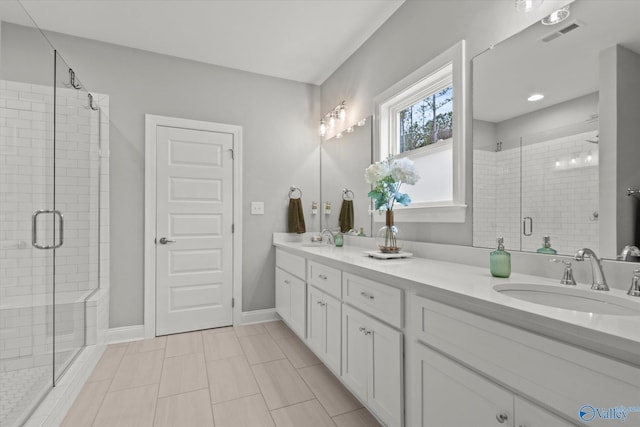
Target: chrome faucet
{"x":599,"y":282}
{"x":629,"y":251}
{"x":330,"y":237}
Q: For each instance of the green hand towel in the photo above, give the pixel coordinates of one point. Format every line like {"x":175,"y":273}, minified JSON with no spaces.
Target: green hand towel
{"x":346,"y":216}
{"x":296,"y":217}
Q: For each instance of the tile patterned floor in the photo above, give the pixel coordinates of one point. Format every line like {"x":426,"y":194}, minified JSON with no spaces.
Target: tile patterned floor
{"x":246,"y":376}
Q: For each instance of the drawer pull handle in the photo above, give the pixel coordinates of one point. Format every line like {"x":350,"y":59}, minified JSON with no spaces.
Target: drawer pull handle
{"x":366,"y":295}
{"x":364,"y":330}
{"x":288,"y":282}
{"x":319,"y":302}
{"x":502,"y":418}
{"x":322,"y":276}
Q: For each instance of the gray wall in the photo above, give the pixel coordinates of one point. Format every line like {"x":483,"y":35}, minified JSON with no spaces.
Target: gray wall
{"x":415,"y":34}
{"x":619,"y":147}
{"x":281,"y":147}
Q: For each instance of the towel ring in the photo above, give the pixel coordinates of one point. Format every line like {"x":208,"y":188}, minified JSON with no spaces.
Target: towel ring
{"x":347,"y":194}
{"x":292,"y":191}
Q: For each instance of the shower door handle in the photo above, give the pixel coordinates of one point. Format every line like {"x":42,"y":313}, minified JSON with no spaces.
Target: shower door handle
{"x":34,"y":228}
{"x":524,"y":226}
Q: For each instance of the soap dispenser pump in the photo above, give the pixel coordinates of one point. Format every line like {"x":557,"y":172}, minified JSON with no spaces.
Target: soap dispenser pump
{"x":546,"y":247}
{"x":500,"y":261}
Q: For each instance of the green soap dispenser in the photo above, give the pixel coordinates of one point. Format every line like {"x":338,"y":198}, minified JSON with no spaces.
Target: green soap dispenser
{"x":546,"y":247}
{"x":500,"y":261}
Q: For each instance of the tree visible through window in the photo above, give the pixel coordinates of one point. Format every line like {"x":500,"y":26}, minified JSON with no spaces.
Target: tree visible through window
{"x":427,"y":121}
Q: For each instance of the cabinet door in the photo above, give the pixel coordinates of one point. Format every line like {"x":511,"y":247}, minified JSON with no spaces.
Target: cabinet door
{"x":453,"y":395}
{"x":386,"y":382}
{"x":356,"y":351}
{"x":315,"y":315}
{"x":332,"y":333}
{"x":530,"y":415}
{"x":283,"y":294}
{"x":297,"y":319}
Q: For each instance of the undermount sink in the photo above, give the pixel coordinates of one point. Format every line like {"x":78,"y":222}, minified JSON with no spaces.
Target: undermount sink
{"x":570,"y":298}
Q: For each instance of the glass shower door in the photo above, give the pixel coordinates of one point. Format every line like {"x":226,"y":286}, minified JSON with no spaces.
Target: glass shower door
{"x":26,"y":192}
{"x":77,"y":212}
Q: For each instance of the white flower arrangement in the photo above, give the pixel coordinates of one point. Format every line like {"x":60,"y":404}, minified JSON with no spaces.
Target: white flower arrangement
{"x":386,"y":177}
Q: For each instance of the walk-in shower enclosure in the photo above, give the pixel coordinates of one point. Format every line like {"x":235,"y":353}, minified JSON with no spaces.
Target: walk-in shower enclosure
{"x":52,"y":139}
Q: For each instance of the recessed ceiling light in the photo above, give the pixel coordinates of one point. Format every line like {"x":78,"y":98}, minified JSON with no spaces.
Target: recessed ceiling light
{"x":535,"y":97}
{"x":556,"y":17}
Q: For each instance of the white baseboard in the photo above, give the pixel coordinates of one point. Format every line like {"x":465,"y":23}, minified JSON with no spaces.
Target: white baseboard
{"x":259,"y":316}
{"x":125,"y":334}
{"x":136,"y":332}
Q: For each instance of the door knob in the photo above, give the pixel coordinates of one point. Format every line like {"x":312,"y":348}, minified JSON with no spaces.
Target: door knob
{"x":165,"y":241}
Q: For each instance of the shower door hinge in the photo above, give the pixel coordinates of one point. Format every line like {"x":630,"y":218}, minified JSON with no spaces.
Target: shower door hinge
{"x":233,"y":302}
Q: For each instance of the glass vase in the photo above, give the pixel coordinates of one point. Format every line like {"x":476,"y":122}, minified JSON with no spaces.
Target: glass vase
{"x":387,"y":237}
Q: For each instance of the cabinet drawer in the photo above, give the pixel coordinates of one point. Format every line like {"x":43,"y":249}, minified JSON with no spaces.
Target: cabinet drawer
{"x":379,"y":300}
{"x":293,"y":264}
{"x":325,"y":278}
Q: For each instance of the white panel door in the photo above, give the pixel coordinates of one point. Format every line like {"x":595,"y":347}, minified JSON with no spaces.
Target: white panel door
{"x":194,"y":245}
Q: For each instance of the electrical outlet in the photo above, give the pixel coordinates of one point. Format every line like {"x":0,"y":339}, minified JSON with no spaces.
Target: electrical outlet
{"x":257,"y":208}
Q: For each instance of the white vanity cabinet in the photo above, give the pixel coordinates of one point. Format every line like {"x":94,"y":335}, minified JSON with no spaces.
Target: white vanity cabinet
{"x":291,"y":291}
{"x":451,"y":394}
{"x":372,"y":360}
{"x":460,"y":358}
{"x":323,"y":330}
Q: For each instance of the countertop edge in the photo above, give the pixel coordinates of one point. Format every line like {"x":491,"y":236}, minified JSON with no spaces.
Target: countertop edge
{"x":610,"y":345}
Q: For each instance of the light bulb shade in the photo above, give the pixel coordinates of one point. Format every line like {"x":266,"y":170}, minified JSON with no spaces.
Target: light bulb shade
{"x":342,"y":114}
{"x":332,"y":120}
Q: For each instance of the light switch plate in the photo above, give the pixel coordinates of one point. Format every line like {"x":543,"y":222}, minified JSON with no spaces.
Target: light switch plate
{"x":257,"y":208}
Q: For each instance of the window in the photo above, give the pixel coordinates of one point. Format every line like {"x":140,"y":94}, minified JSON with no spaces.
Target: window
{"x":422,"y":117}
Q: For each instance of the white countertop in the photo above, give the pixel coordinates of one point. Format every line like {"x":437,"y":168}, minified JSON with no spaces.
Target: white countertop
{"x":471,"y":288}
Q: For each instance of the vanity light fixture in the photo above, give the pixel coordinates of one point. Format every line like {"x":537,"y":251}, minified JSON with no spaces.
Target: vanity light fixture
{"x":556,"y":17}
{"x":328,"y":121}
{"x":527,"y":5}
{"x":323,"y":128}
{"x":535,"y":97}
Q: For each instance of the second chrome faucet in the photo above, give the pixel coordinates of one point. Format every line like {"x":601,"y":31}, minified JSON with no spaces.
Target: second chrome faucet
{"x":599,"y":283}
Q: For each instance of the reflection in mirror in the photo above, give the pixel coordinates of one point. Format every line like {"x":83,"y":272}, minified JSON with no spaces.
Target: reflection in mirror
{"x":558,"y":166}
{"x":343,"y":163}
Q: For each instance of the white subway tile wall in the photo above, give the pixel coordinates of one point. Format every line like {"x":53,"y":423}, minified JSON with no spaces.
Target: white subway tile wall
{"x":82,"y":263}
{"x":554,"y":182}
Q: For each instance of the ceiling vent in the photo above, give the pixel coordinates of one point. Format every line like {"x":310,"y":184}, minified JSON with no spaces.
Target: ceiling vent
{"x":562,"y":31}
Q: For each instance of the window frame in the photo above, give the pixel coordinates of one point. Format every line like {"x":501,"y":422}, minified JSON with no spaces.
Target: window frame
{"x":450,"y":65}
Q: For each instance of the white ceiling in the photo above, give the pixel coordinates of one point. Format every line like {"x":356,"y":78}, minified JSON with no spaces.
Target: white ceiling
{"x":563,"y":69}
{"x":302,"y":40}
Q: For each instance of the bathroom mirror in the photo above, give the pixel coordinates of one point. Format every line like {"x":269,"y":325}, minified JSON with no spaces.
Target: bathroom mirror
{"x":544,"y":167}
{"x":343,"y":161}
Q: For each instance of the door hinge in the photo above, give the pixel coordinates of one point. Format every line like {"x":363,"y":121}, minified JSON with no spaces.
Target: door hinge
{"x":233,"y":302}
{"x":232,"y":153}
{"x":233,"y":228}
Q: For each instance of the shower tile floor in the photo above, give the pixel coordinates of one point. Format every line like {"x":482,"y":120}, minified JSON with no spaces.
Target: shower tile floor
{"x":255,"y":375}
{"x":17,"y":389}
